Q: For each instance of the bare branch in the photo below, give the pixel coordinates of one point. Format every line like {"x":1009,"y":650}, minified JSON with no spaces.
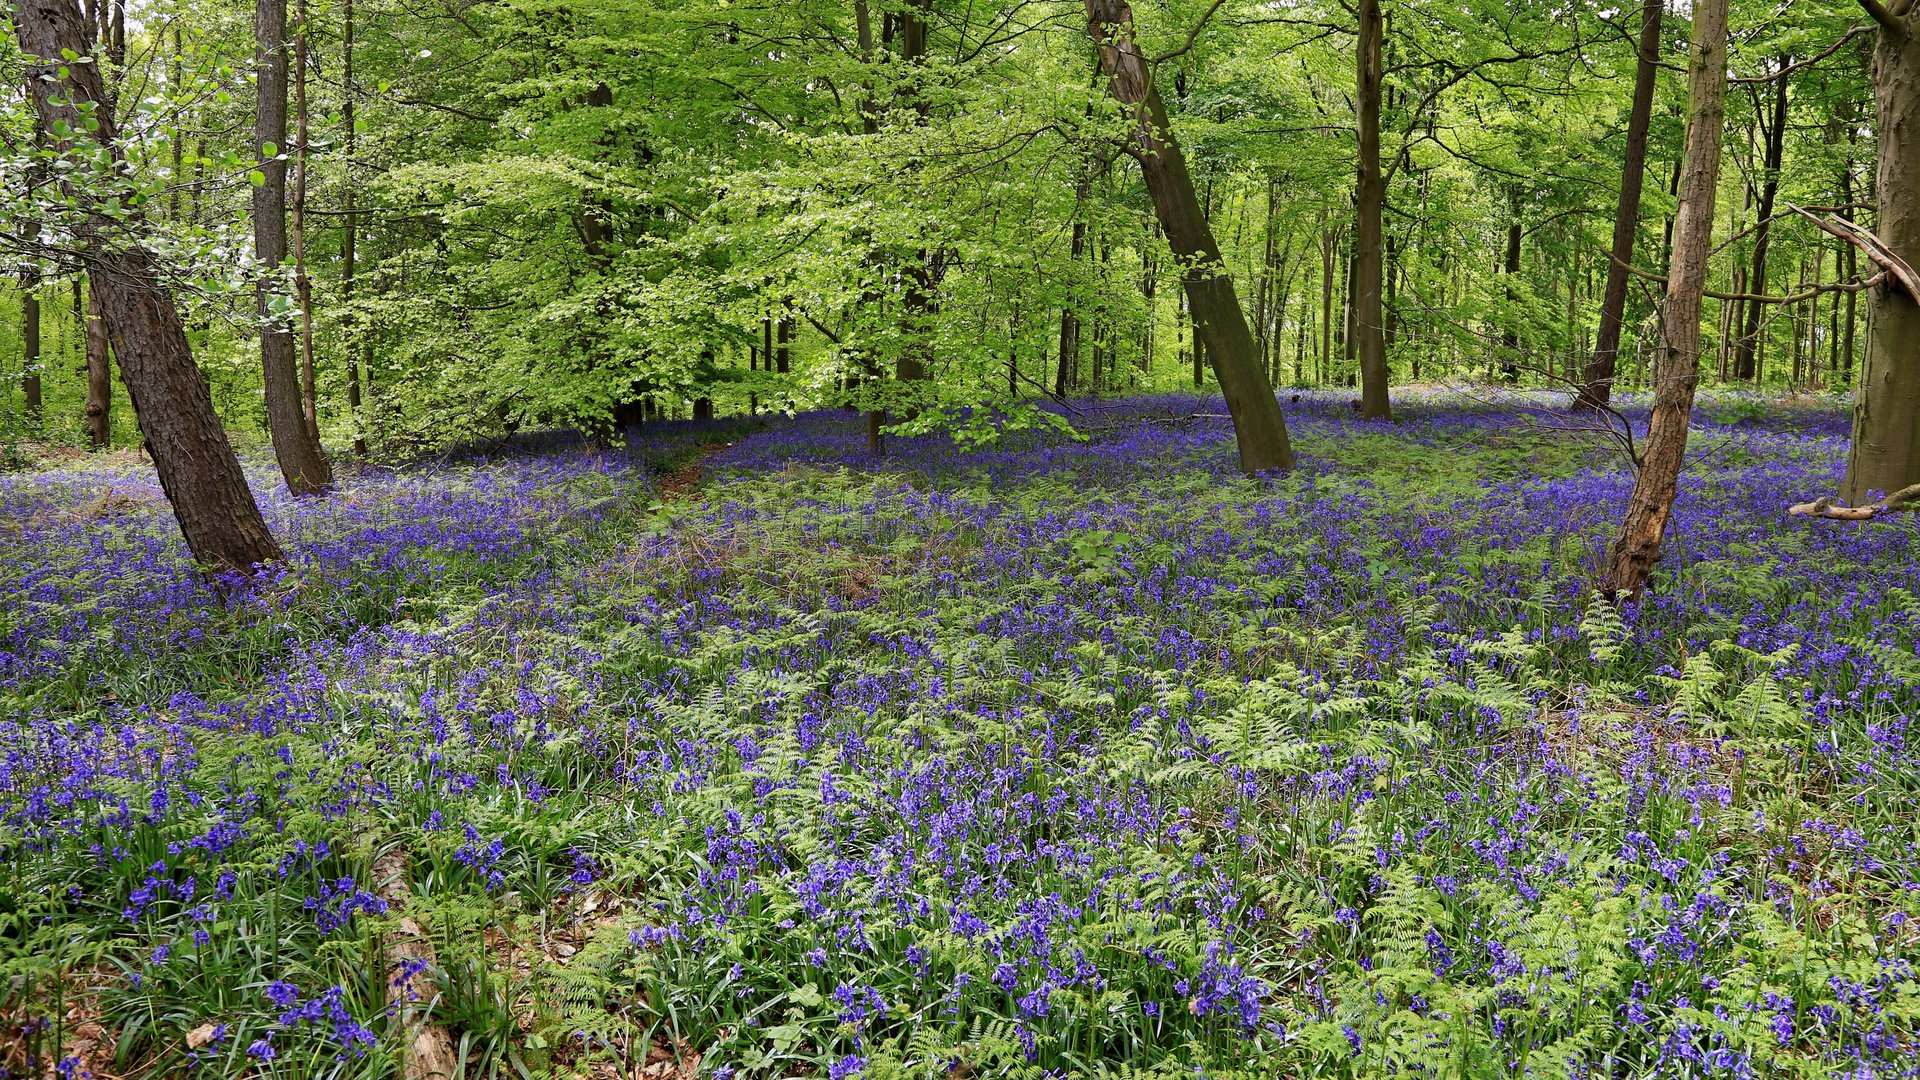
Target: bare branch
{"x":1809,"y":61}
{"x":1192,"y":34}
{"x":1871,"y":246}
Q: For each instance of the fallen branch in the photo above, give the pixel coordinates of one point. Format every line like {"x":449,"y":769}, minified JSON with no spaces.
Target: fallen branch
{"x":1907,"y":498}
{"x":427,"y":1047}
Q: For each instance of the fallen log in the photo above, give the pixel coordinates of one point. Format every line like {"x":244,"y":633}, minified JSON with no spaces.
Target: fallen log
{"x":426,"y":1046}
{"x":1907,"y":498}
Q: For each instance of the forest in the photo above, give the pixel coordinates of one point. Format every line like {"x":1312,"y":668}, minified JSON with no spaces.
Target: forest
{"x":618,"y":539}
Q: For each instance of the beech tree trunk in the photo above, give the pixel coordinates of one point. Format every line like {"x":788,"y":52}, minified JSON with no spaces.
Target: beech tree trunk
{"x":1773,"y":129}
{"x":99,"y":373}
{"x":1370,"y":201}
{"x":1676,"y":366}
{"x":1596,"y":385}
{"x":1885,"y":454}
{"x":301,"y":461}
{"x":198,"y":471}
{"x":1218,"y":322}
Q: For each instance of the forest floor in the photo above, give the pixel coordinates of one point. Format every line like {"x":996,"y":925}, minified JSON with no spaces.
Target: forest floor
{"x":1054,"y":758}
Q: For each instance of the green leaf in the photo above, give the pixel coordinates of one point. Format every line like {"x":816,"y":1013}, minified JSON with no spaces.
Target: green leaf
{"x":257,"y":178}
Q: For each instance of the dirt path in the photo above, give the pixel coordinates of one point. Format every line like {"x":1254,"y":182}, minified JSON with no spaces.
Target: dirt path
{"x":685,"y":482}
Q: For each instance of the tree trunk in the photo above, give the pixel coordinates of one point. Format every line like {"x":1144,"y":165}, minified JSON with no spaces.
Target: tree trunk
{"x":1746,"y":365}
{"x":349,"y":241}
{"x":1328,"y":258}
{"x":1065,"y":377}
{"x":1149,"y":287}
{"x":1596,"y":387}
{"x":1851,"y":262}
{"x":30,"y":344}
{"x":1677,"y":363}
{"x":1370,"y":201}
{"x":198,"y":471}
{"x":1510,"y":337}
{"x":301,"y":460}
{"x":783,"y":345}
{"x":1885,"y":454}
{"x":303,"y":288}
{"x":99,"y":373}
{"x":1218,"y":321}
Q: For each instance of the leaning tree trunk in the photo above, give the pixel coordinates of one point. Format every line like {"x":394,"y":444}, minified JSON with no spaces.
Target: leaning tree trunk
{"x":1218,"y":322}
{"x":1370,"y":201}
{"x":1885,"y":455}
{"x":301,"y":460}
{"x":1676,"y":365}
{"x":1596,"y":389}
{"x":198,"y":471}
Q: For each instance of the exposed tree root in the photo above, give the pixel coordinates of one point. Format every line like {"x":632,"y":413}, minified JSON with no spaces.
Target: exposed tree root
{"x":427,"y":1046}
{"x":1907,"y":498}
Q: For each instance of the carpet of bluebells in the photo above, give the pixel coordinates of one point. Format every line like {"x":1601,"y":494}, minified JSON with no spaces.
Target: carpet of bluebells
{"x":1053,"y":758}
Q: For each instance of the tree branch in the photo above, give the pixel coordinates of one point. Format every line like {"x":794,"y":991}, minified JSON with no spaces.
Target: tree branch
{"x":1809,"y":61}
{"x":1757,"y":298}
{"x":1888,"y":20}
{"x":1871,"y":246}
{"x":1192,"y":35}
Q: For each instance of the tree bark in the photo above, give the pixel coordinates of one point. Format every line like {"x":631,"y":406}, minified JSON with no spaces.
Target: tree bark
{"x":1218,"y":321}
{"x":1510,"y":337}
{"x":1370,"y":201}
{"x":30,"y":344}
{"x":1677,"y":363}
{"x":99,"y":373}
{"x":1328,"y":258}
{"x":1596,"y":386}
{"x":301,"y":461}
{"x":1746,"y":365}
{"x":1066,"y":376}
{"x":198,"y":471}
{"x":1885,"y":454}
{"x":303,"y":287}
{"x":350,"y":239}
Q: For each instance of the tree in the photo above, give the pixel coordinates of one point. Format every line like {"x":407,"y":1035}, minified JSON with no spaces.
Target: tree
{"x":302,"y":462}
{"x":30,"y":343}
{"x":1217,"y":319}
{"x":1772,"y":122}
{"x":1676,"y":365}
{"x":1370,"y":201}
{"x":198,"y":471}
{"x":1885,"y":453}
{"x":1596,"y":388}
{"x":99,"y":410}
